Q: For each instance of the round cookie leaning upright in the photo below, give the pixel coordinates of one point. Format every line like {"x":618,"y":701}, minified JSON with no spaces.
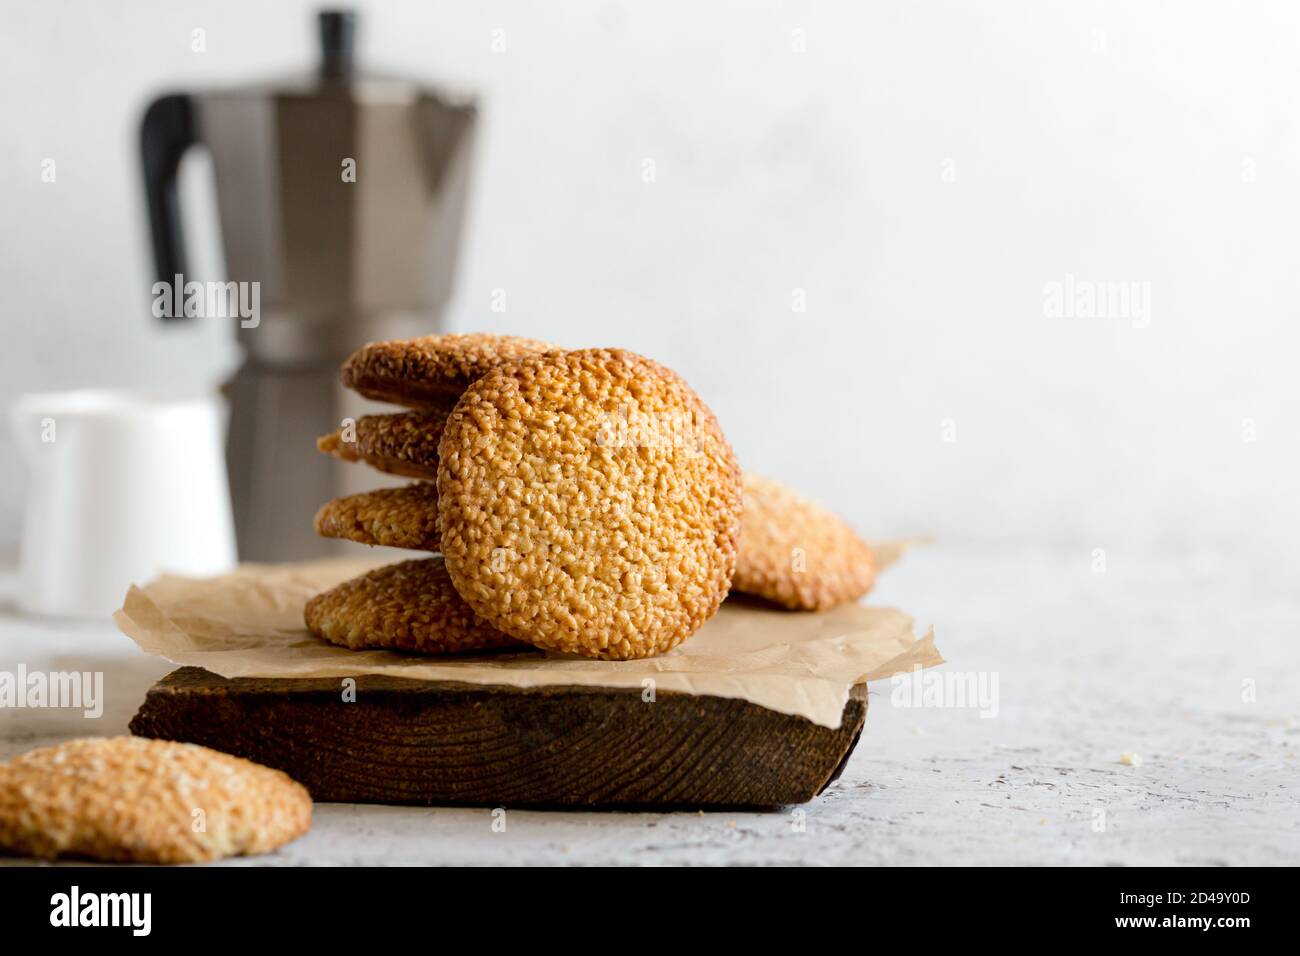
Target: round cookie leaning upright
{"x":588,"y":503}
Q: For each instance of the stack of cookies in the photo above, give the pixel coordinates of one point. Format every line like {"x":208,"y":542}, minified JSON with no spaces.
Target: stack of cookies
{"x":584,"y":502}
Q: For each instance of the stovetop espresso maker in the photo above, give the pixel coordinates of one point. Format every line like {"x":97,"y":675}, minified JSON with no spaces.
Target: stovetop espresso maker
{"x":340,"y":197}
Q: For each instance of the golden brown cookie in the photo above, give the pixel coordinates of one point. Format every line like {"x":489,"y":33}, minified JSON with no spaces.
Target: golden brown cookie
{"x":430,"y":371}
{"x":405,"y":517}
{"x":134,"y":800}
{"x":589,"y":503}
{"x":402,"y":444}
{"x":410,"y":605}
{"x":797,"y":553}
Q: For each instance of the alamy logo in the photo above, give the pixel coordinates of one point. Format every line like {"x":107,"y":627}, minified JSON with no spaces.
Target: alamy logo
{"x":57,"y":689}
{"x":632,"y":428}
{"x":103,"y":909}
{"x":1085,"y":299}
{"x":209,"y":300}
{"x":947,"y":689}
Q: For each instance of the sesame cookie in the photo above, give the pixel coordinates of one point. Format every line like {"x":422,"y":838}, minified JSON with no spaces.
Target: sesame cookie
{"x":405,"y":517}
{"x":134,"y":800}
{"x":796,"y":553}
{"x":411,"y":606}
{"x":430,"y":371}
{"x":402,"y":444}
{"x":589,"y":503}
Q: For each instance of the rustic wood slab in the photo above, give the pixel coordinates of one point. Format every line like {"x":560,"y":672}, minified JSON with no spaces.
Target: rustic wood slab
{"x":426,"y":743}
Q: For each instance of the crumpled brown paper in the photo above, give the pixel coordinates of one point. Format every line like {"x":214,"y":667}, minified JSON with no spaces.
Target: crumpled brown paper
{"x":249,"y":624}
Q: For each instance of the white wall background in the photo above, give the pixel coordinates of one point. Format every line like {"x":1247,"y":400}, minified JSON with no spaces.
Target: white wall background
{"x":1141,"y":141}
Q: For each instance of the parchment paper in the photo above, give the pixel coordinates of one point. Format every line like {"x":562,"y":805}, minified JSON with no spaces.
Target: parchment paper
{"x":249,"y":624}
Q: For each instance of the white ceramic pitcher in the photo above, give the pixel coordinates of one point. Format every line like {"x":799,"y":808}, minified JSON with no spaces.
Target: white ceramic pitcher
{"x":122,"y":485}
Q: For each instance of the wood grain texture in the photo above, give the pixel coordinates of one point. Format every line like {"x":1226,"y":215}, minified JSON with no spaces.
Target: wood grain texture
{"x":442,"y":743}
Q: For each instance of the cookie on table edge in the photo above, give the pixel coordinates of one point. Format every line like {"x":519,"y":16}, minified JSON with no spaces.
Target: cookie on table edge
{"x":133,"y":800}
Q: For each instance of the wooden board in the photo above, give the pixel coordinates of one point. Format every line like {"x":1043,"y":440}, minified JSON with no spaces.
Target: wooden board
{"x":426,"y":743}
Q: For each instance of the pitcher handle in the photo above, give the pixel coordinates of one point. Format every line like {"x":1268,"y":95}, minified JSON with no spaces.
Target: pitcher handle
{"x":167,"y":132}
